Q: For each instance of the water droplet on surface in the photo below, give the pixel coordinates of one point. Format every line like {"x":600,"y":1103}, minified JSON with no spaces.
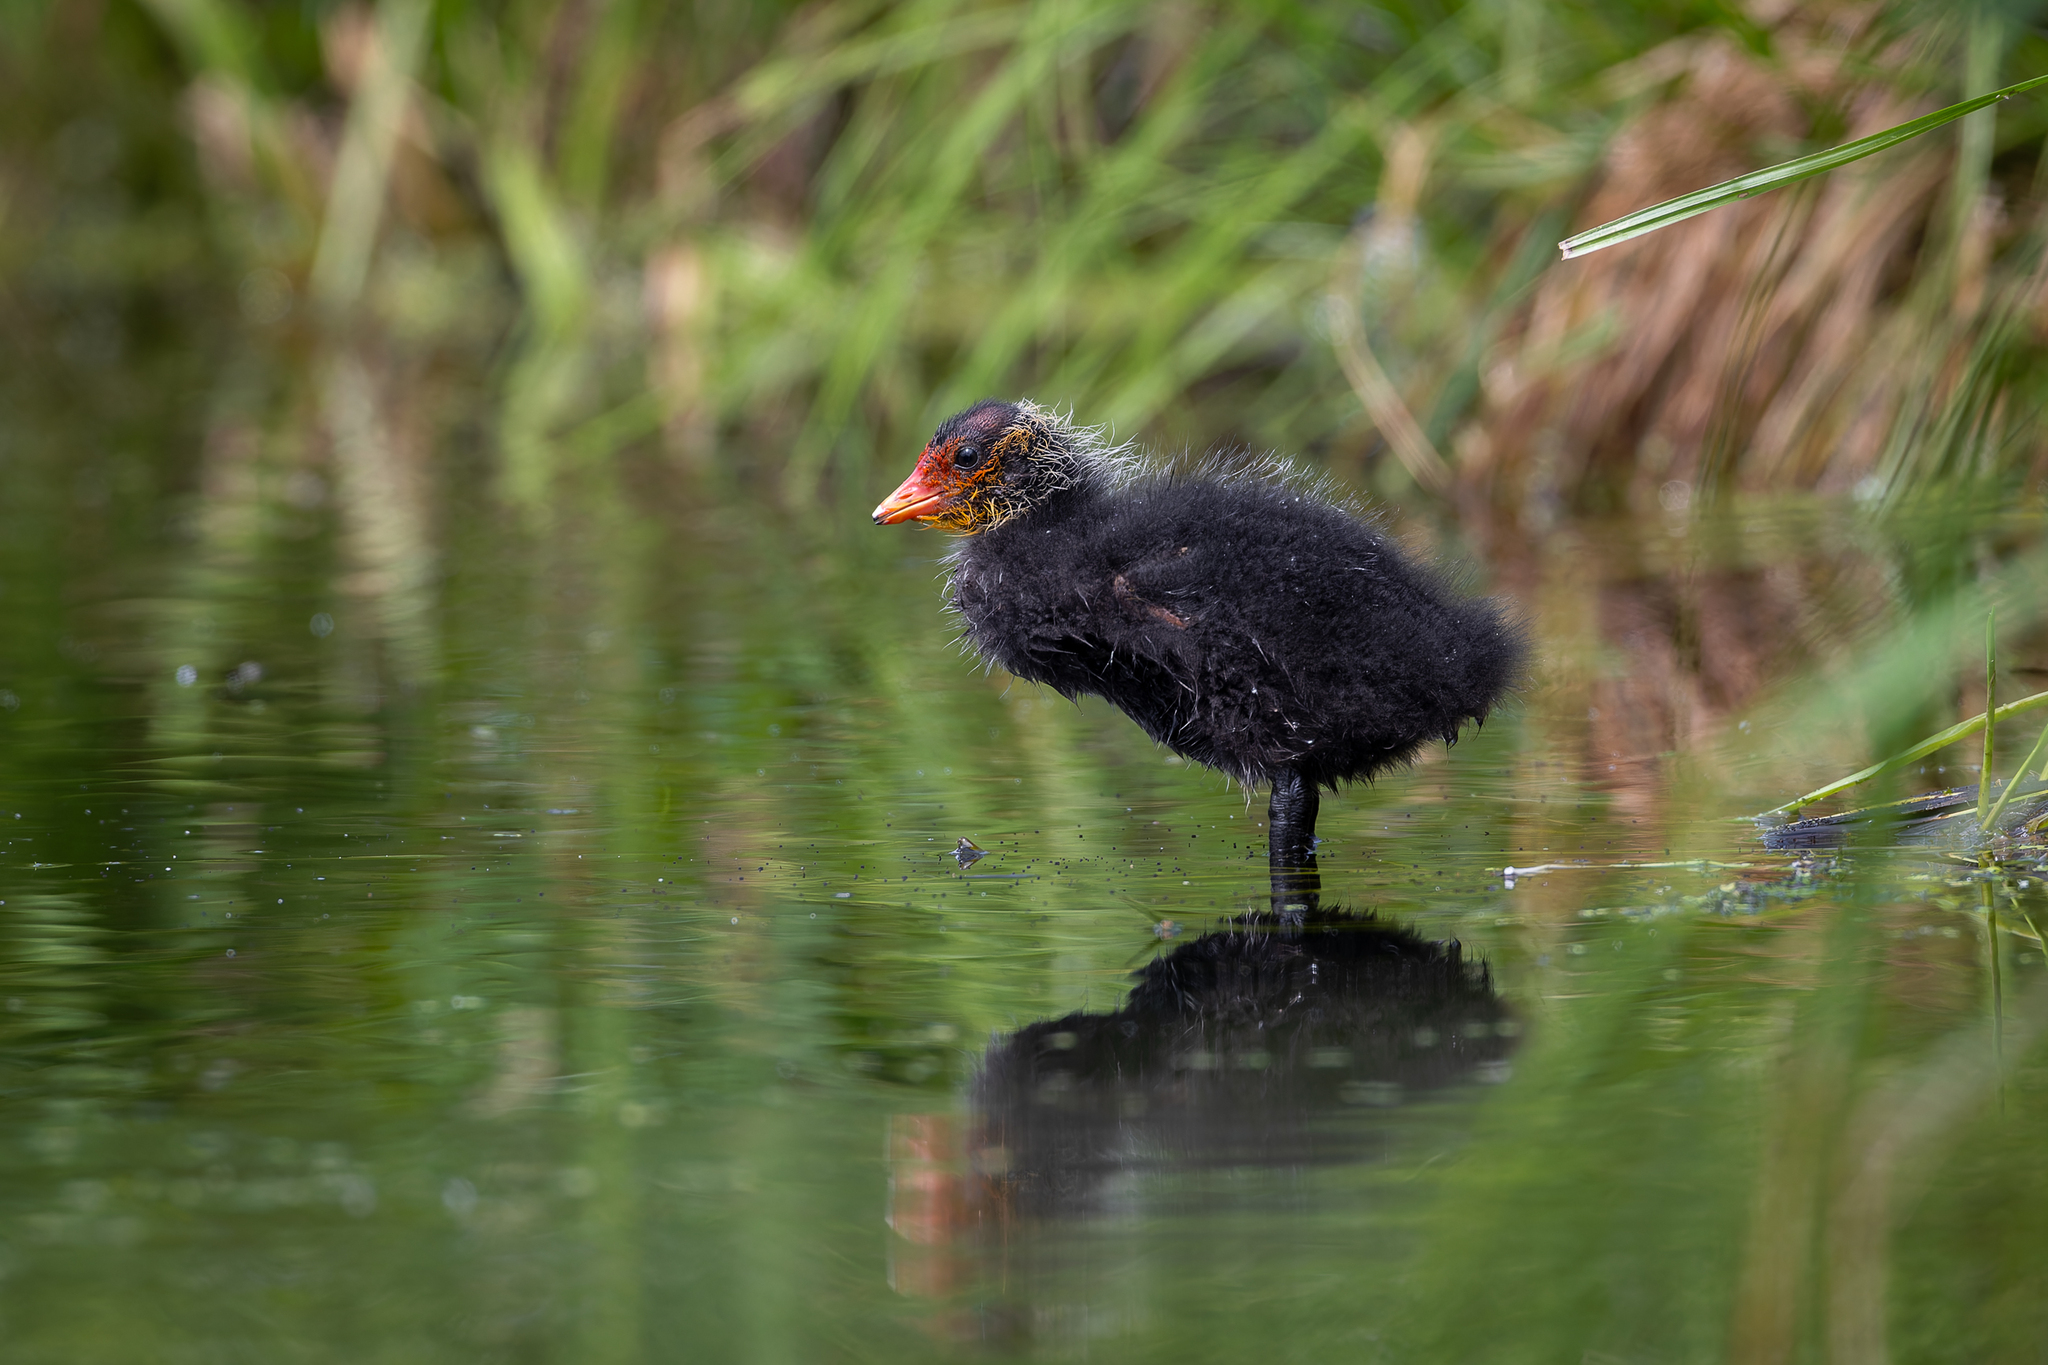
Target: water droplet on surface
{"x":458,"y":1196}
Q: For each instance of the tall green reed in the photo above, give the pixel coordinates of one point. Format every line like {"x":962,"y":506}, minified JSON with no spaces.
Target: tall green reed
{"x":804,"y":234}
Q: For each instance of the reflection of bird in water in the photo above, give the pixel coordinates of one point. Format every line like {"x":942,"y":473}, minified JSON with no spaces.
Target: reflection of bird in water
{"x":1236,"y":1047}
{"x":1239,"y":613}
{"x":1248,"y":1046}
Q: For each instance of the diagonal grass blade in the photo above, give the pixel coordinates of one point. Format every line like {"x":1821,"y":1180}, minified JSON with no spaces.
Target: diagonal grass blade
{"x":1773,"y":177}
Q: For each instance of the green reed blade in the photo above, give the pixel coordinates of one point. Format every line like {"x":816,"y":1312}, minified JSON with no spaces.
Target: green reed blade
{"x":1990,"y":821}
{"x":1990,"y":899}
{"x":1960,"y":731}
{"x":1774,"y":177}
{"x":1990,"y":709}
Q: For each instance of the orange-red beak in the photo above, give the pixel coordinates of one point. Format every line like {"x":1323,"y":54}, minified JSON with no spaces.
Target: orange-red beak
{"x":920,"y":495}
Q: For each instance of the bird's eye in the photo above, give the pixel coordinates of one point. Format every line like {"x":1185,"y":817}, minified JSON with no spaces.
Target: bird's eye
{"x":967,"y":457}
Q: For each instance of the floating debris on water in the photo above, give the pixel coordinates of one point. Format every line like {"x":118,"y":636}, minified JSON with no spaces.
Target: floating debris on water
{"x":1945,"y":818}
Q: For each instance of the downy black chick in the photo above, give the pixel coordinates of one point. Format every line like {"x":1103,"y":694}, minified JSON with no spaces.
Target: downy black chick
{"x":1238,"y":611}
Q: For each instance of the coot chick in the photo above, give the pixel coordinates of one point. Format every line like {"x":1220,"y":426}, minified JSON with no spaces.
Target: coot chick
{"x":1240,"y":613}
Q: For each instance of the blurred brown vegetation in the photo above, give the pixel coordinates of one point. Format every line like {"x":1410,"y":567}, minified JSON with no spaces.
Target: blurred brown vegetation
{"x":782,"y":238}
{"x":1852,"y":330}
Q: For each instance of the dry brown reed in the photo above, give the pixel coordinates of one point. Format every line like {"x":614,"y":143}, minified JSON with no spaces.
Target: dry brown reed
{"x":1780,"y":343}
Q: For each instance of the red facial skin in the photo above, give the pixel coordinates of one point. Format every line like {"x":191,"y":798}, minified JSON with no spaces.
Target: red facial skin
{"x":940,"y":493}
{"x":933,"y":482}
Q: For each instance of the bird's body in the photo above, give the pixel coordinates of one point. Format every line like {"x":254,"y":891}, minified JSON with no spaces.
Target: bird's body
{"x":1239,"y":618}
{"x":1239,"y":613}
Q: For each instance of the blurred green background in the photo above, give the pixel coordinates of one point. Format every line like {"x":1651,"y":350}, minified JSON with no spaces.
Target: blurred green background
{"x":806,"y":233}
{"x":474,"y":786}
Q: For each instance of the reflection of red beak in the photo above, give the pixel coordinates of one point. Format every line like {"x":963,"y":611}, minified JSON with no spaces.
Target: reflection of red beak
{"x":917,"y":496}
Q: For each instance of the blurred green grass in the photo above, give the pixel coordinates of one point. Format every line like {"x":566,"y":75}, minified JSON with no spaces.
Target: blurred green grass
{"x":787,"y":239}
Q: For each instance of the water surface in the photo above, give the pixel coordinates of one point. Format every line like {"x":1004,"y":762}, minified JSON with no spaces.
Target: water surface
{"x":431,"y":930}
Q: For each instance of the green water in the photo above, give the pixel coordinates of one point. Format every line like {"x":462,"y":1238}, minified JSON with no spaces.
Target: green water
{"x":436,"y":931}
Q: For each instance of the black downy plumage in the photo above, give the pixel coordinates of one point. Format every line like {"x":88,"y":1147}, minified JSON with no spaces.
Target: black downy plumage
{"x":1239,"y":612}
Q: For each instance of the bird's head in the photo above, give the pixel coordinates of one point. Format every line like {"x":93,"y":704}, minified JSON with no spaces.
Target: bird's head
{"x":984,"y":466}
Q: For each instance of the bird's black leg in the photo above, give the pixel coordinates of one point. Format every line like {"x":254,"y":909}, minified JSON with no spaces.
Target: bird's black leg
{"x":1291,"y":842}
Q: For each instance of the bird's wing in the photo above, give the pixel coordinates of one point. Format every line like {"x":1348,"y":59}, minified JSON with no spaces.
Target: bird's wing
{"x":1110,"y":625}
{"x":1169,"y":586}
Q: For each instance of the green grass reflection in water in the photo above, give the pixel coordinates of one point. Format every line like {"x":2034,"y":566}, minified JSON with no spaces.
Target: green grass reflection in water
{"x":597,"y":969}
